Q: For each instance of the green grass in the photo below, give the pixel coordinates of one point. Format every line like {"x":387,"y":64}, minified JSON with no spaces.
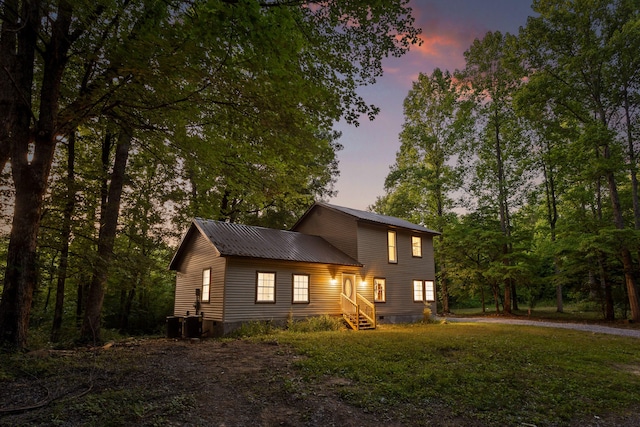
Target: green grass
{"x":492,"y":374}
{"x":455,"y":373}
{"x":574,"y":313}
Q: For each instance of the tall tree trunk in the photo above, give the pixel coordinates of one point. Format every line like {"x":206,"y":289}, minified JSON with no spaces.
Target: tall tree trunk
{"x":514,"y":295}
{"x":504,"y":214}
{"x":605,"y":285}
{"x":90,"y":331}
{"x":31,"y":147}
{"x":627,"y":261}
{"x":65,"y":236}
{"x":552,"y":215}
{"x":444,"y":289}
{"x":18,"y":45}
{"x":631,"y":152}
{"x":81,"y":297}
{"x":496,"y":296}
{"x":9,"y":91}
{"x":125,"y":310}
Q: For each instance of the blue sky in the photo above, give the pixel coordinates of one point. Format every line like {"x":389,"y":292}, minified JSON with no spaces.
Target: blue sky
{"x":448,"y":29}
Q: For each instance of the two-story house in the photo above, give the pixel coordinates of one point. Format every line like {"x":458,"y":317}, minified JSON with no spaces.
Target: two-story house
{"x":366,"y":267}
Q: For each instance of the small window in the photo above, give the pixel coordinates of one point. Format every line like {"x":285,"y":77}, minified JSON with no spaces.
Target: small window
{"x":266,"y":287}
{"x":391,"y":241}
{"x":300,"y":288}
{"x":416,"y":246}
{"x":206,"y":284}
{"x":429,"y":291}
{"x":379,"y":290}
{"x":417,"y":290}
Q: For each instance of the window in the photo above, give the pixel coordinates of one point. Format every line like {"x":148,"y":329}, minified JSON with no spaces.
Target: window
{"x":379,"y":290}
{"x":266,"y":287}
{"x":429,"y":291}
{"x":300,"y":288}
{"x":416,"y":246}
{"x":417,"y":290}
{"x":391,"y":241}
{"x":206,"y":284}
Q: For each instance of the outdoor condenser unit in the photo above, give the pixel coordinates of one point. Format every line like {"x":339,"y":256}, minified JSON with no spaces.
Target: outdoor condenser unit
{"x":174,"y":326}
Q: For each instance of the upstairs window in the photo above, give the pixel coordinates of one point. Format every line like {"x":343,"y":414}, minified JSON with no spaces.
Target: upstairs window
{"x":391,"y":242}
{"x":206,"y":284}
{"x":300,"y":288}
{"x":266,"y":287}
{"x":416,"y":246}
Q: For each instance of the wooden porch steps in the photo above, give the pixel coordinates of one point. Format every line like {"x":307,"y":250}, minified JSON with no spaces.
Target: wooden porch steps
{"x":363,"y":322}
{"x":359,"y":313}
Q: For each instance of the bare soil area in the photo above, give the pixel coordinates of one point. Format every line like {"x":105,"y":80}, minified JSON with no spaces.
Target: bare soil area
{"x":179,"y":382}
{"x":197,"y":383}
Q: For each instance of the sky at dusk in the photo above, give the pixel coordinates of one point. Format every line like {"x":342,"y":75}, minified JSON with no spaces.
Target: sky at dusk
{"x":448,"y":29}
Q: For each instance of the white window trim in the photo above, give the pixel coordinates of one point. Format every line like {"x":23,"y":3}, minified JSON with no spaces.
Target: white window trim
{"x":293,"y":288}
{"x":416,"y":297}
{"x":392,"y":247}
{"x":206,"y":285}
{"x":429,"y":290}
{"x":261,"y":277}
{"x":418,"y":246}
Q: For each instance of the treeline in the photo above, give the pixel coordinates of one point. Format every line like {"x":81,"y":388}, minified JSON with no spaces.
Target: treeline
{"x":122,"y":120}
{"x":526,"y":161}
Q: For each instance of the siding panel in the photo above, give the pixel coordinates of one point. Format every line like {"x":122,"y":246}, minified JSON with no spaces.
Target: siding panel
{"x":199,"y":254}
{"x":372,"y":252}
{"x":240,"y":285}
{"x":336,"y":228}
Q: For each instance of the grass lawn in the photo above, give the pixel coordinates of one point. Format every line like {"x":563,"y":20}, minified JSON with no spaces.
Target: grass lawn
{"x":571,"y":313}
{"x":486,"y":373}
{"x":444,"y":374}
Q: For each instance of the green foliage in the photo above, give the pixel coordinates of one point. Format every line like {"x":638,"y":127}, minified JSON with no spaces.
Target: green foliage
{"x":545,"y":163}
{"x":427,"y":315}
{"x":316,"y":324}
{"x":230,"y":105}
{"x":254,"y":328}
{"x":309,"y":324}
{"x":437,"y":125}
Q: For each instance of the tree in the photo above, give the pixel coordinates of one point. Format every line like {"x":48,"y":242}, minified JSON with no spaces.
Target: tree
{"x":67,"y":63}
{"x":421,"y":182}
{"x":501,"y":170}
{"x":472,"y":244}
{"x":573,"y":44}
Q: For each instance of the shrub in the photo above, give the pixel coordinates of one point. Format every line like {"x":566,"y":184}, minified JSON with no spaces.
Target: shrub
{"x":254,"y":328}
{"x":316,"y":324}
{"x":426,"y":315}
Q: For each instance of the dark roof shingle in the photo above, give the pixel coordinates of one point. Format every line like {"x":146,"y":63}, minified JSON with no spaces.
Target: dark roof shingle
{"x":240,"y":240}
{"x":379,"y":219}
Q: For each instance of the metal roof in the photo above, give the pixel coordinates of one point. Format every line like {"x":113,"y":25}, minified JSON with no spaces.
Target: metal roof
{"x":240,"y":240}
{"x":377,"y":218}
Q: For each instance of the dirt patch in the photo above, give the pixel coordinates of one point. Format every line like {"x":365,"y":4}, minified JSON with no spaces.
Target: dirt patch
{"x":632,"y":369}
{"x":202,"y":383}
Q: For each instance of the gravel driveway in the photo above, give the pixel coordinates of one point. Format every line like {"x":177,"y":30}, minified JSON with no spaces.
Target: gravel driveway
{"x":599,"y":329}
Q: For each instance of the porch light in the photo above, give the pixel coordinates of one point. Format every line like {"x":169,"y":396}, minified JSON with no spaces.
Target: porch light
{"x":334,"y":281}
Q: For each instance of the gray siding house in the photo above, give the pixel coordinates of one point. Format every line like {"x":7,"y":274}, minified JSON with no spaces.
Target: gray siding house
{"x":366,"y":267}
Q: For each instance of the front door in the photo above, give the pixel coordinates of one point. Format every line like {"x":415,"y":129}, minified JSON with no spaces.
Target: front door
{"x":349,"y":285}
